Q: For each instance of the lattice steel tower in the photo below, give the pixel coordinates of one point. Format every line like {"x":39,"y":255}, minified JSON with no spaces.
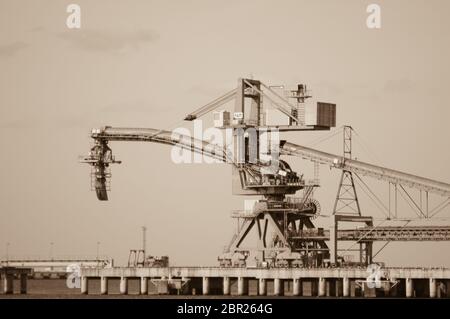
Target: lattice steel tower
{"x":347,"y":200}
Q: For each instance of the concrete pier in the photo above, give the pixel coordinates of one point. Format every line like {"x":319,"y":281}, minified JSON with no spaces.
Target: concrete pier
{"x":8,"y":284}
{"x":242,"y":286}
{"x":322,"y":287}
{"x":331,"y":287}
{"x":205,"y":286}
{"x":433,"y":288}
{"x":338,"y":287}
{"x":278,"y":287}
{"x":123,"y":287}
{"x":412,"y":282}
{"x":185,"y":285}
{"x":386,"y":290}
{"x":84,"y":285}
{"x":409,"y":288}
{"x":23,"y":283}
{"x":143,"y":286}
{"x":104,"y":285}
{"x":262,"y":287}
{"x":226,"y":286}
{"x":345,"y":287}
{"x":7,"y":274}
{"x":297,"y":289}
{"x":314,"y":284}
{"x":441,"y":289}
{"x":393,"y":291}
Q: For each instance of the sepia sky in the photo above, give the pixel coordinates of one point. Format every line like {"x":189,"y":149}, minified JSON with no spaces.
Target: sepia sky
{"x":149,"y":63}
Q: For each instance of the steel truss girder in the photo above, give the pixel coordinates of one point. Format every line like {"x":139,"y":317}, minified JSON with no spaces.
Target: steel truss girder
{"x":279,"y":223}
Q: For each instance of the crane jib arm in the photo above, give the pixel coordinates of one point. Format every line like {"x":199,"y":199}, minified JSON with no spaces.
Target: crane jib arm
{"x":100,"y":156}
{"x":220,"y":153}
{"x":160,"y":136}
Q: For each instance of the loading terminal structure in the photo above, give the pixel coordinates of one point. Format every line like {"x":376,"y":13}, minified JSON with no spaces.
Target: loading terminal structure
{"x":290,"y":247}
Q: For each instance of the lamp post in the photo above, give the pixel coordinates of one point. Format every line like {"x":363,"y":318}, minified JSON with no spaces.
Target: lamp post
{"x":144,"y":240}
{"x":51,"y":250}
{"x":7,"y":253}
{"x":98,"y":249}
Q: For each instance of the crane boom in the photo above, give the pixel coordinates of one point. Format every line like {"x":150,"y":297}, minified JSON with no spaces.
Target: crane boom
{"x":366,"y":169}
{"x":287,"y":148}
{"x":100,"y":156}
{"x":160,"y":136}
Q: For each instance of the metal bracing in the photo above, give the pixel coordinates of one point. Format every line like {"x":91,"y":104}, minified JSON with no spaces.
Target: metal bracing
{"x":382,"y":233}
{"x":346,"y":199}
{"x":316,"y":173}
{"x":212,"y":105}
{"x":397,"y":233}
{"x":412,"y":203}
{"x":366,"y":169}
{"x":419,"y":206}
{"x":262,"y":232}
{"x":347,"y":130}
{"x":347,"y":203}
{"x":439,"y":207}
{"x":284,"y":243}
{"x":388,"y":242}
{"x":282,"y":108}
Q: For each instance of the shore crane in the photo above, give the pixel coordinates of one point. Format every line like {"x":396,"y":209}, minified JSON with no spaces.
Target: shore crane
{"x":294,"y":240}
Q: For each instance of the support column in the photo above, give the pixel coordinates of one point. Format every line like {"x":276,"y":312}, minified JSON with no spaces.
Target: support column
{"x":393,"y":291}
{"x":226,"y":286}
{"x":123,"y":285}
{"x":357,"y":290}
{"x":104,"y":285}
{"x":205,"y":286}
{"x":433,"y":287}
{"x":345,"y":287}
{"x":338,"y":288}
{"x":262,"y":287}
{"x":322,"y":287}
{"x":278,"y":287}
{"x":144,"y":286}
{"x":368,"y":247}
{"x":314,"y":286}
{"x":333,"y":242}
{"x":409,"y":287}
{"x":331,"y":287}
{"x":386,"y":289}
{"x":8,"y":282}
{"x":23,"y":283}
{"x":242,"y":286}
{"x":84,"y":285}
{"x":297,"y":287}
{"x":185,"y":285}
